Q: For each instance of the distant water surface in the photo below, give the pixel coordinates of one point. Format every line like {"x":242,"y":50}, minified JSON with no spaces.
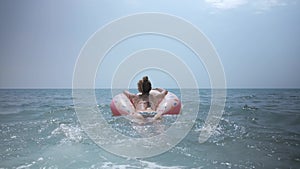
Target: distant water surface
{"x":260,"y":128}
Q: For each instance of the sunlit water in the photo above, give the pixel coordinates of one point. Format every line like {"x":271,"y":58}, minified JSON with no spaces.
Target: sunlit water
{"x":258,"y":129}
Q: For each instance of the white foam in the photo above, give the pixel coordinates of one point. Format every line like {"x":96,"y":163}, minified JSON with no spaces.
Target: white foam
{"x":134,"y":164}
{"x":153,"y":165}
{"x":110,"y":165}
{"x":25,"y":166}
{"x":72,"y":133}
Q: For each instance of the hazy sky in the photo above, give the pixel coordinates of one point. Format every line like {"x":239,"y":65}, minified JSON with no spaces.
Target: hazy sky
{"x":258,"y":41}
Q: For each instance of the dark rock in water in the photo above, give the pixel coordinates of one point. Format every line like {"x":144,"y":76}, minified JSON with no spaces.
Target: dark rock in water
{"x":246,"y":107}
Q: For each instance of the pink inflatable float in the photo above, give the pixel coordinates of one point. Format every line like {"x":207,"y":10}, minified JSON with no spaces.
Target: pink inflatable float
{"x":121,"y":105}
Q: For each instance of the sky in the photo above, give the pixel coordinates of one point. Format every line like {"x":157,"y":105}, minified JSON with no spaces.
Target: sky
{"x":257,"y":41}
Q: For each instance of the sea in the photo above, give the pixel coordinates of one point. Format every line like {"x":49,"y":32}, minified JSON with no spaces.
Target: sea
{"x":259,"y":128}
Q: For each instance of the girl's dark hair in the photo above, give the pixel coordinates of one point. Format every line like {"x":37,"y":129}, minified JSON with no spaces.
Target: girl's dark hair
{"x":144,"y":86}
{"x":140,"y":86}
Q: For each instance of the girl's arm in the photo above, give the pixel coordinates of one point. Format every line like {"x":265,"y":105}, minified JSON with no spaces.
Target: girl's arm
{"x":128,"y":94}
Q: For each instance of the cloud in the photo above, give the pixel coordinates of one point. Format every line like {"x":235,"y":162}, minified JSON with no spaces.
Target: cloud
{"x":258,"y":5}
{"x":268,"y":4}
{"x":226,"y":4}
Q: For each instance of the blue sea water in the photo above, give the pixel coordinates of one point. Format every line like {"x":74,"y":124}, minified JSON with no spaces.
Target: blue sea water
{"x":260,"y":128}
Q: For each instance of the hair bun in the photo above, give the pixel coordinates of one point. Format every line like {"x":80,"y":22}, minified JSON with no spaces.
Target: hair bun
{"x":145,"y":78}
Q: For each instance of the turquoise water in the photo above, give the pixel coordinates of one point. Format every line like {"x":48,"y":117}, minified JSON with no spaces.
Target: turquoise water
{"x":258,"y":129}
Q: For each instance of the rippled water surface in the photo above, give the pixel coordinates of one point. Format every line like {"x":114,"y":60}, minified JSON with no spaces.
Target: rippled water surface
{"x":259,"y":129}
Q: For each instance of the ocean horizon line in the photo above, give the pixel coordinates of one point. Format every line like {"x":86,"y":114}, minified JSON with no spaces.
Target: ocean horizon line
{"x":204,"y":88}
